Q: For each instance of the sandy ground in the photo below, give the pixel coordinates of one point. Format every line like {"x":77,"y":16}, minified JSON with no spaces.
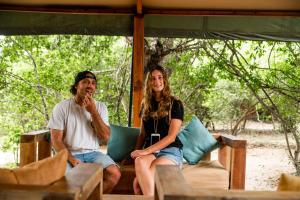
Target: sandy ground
{"x":267,"y":158}
{"x":264,"y":166}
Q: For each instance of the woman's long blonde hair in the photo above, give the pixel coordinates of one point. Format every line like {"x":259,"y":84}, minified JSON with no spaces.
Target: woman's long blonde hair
{"x":166,"y":97}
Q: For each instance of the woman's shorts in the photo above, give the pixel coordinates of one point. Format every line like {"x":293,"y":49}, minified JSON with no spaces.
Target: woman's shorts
{"x":174,"y":154}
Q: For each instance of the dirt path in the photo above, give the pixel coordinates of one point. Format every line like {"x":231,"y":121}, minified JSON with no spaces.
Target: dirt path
{"x":264,"y":166}
{"x":267,"y":158}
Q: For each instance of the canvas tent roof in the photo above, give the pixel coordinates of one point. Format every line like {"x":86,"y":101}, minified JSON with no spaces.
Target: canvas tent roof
{"x":220,"y":19}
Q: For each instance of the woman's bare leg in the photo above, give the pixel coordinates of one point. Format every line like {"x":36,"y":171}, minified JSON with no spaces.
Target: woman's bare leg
{"x":136,"y":187}
{"x":145,"y":169}
{"x":143,"y":173}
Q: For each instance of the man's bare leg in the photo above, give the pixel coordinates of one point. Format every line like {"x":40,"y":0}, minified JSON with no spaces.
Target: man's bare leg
{"x":111,"y":177}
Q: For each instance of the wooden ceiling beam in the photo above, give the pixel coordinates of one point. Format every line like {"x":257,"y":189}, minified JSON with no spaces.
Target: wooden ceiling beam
{"x":69,"y":9}
{"x":221,"y":12}
{"x":146,"y":11}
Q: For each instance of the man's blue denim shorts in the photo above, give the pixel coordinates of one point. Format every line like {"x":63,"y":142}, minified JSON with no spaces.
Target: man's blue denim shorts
{"x":174,"y":154}
{"x":93,"y":157}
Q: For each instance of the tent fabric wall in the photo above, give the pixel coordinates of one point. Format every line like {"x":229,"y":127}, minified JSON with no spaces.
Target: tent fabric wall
{"x":36,"y":23}
{"x":280,"y":28}
{"x":224,"y":27}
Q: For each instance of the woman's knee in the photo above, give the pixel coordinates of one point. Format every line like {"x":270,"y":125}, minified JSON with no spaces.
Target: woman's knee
{"x":143,"y":162}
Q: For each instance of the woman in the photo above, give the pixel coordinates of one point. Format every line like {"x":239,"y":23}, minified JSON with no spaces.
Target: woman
{"x":162,"y":117}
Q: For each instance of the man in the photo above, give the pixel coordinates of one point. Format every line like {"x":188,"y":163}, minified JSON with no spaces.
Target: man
{"x":77,"y":124}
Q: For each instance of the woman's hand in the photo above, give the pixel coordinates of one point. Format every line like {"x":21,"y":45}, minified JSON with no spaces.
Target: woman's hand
{"x":138,"y":153}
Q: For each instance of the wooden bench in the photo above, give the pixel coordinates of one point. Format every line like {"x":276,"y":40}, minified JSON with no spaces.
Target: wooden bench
{"x":231,"y":155}
{"x":170,"y":184}
{"x":82,"y":182}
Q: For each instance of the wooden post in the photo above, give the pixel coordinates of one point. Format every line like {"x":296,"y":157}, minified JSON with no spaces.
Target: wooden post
{"x":138,"y":67}
{"x":27,"y":150}
{"x":139,"y":7}
{"x":238,"y":173}
{"x":224,"y":156}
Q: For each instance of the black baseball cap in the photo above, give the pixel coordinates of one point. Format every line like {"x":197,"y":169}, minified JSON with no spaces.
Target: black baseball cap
{"x":83,"y":75}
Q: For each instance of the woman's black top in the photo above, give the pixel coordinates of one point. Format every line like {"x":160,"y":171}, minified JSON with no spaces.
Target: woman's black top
{"x":163,"y":125}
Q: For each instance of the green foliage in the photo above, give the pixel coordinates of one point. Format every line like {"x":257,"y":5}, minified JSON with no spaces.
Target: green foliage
{"x":214,"y":79}
{"x":11,"y":143}
{"x":37,"y":72}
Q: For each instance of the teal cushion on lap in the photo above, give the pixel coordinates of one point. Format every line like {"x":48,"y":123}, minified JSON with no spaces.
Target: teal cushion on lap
{"x":196,"y":140}
{"x":122,"y":141}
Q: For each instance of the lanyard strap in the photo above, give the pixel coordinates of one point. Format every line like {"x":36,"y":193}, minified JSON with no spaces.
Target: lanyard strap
{"x":155,"y":121}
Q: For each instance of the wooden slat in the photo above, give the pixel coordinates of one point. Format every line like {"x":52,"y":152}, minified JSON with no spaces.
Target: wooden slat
{"x":170,"y":184}
{"x":44,"y":150}
{"x":238,"y":168}
{"x":27,"y":153}
{"x":138,"y":67}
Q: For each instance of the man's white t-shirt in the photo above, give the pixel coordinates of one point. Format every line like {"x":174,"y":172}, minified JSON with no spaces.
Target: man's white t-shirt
{"x":75,"y":122}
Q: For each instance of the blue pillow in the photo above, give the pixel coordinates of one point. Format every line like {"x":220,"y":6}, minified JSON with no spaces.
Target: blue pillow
{"x":196,"y":140}
{"x":122,"y":141}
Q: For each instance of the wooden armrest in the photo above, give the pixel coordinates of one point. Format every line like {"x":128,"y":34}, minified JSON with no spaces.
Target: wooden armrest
{"x":82,"y":182}
{"x":229,"y":140}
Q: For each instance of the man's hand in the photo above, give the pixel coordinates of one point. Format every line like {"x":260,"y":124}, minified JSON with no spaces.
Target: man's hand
{"x":89,"y":103}
{"x":74,"y":162}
